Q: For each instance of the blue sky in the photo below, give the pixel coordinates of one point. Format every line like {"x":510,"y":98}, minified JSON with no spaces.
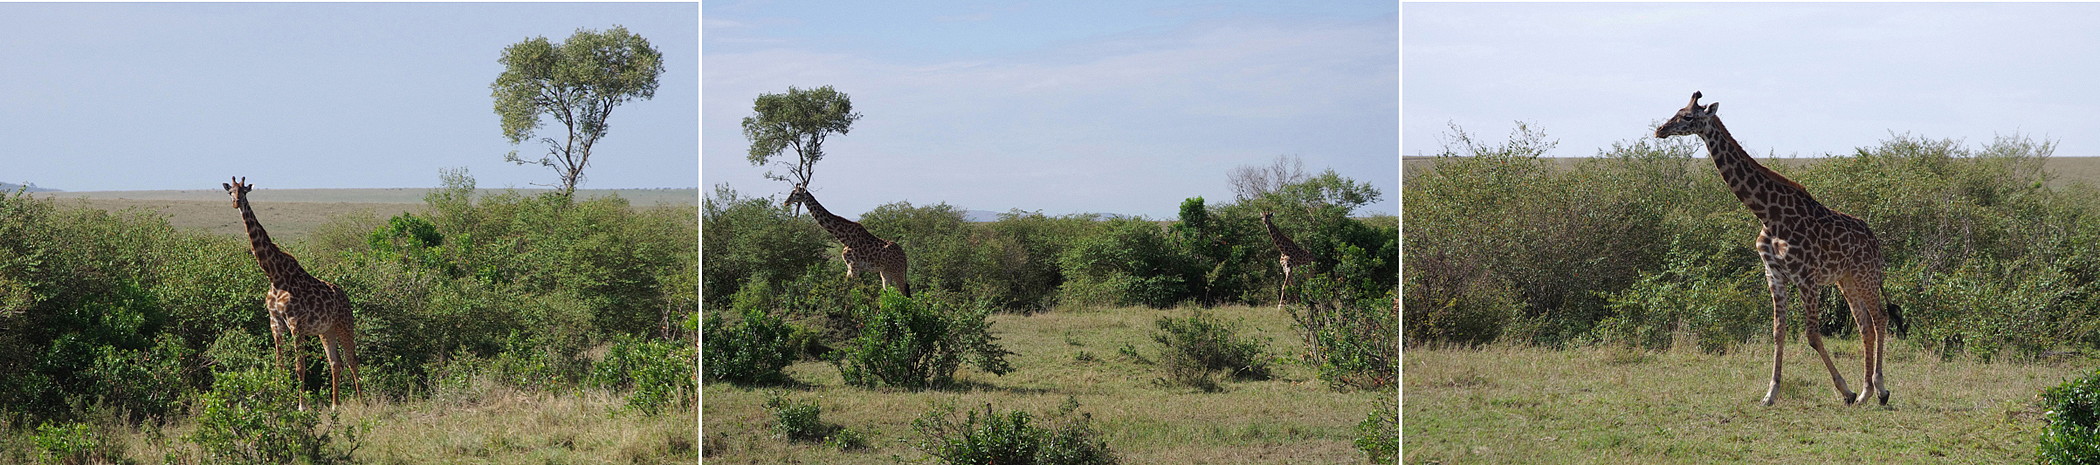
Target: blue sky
{"x":1794,"y":79}
{"x":106,"y":96}
{"x":1063,"y":107}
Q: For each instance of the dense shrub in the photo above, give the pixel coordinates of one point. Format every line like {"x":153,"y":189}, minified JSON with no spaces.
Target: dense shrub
{"x":656,"y":373}
{"x":1351,"y":336}
{"x":754,"y":239}
{"x":2073,"y":412}
{"x":74,"y":443}
{"x":1379,"y":434}
{"x":1012,"y":437}
{"x":1129,"y":262}
{"x":752,"y":350}
{"x":1197,"y":348}
{"x":253,"y":417}
{"x":1645,"y":246}
{"x":915,"y":344}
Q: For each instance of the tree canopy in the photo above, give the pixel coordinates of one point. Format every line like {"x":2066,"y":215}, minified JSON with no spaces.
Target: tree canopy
{"x":799,"y":119}
{"x":577,"y":82}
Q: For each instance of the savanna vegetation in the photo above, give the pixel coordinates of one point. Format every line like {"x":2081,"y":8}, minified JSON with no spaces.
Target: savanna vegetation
{"x":1643,"y":250}
{"x":1096,"y":312}
{"x":500,"y":327}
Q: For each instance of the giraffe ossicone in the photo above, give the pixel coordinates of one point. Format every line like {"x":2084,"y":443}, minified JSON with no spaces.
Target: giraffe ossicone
{"x":300,"y":305}
{"x":1804,"y":246}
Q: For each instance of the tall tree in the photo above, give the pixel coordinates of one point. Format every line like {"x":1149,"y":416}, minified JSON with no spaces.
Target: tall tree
{"x":799,"y":120}
{"x":577,"y":82}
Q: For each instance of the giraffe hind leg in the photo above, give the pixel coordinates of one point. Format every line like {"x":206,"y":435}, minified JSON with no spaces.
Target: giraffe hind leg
{"x":1814,"y":334}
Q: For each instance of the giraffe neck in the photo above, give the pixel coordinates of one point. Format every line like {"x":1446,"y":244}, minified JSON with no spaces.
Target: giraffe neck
{"x":280,"y":267}
{"x":1282,"y":242}
{"x":1768,"y":195}
{"x":844,"y":230}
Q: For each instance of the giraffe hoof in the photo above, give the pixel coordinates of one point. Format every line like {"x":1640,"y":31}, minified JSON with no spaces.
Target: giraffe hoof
{"x":1767,"y":402}
{"x":1884,"y":397}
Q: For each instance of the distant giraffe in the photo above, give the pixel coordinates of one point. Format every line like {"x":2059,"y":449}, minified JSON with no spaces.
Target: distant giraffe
{"x":862,"y":250}
{"x":301,"y":304}
{"x":1804,"y":245}
{"x":1297,"y":262}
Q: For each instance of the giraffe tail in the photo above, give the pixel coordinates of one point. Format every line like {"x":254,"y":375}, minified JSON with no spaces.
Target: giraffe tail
{"x":1896,"y":324}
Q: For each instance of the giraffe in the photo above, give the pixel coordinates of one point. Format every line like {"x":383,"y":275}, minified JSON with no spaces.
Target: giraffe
{"x":1803,"y":245}
{"x":1297,"y":262}
{"x":862,"y":250}
{"x":301,"y":304}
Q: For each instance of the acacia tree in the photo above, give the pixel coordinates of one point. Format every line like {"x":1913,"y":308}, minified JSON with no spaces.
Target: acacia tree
{"x":577,"y":82}
{"x":799,"y":120}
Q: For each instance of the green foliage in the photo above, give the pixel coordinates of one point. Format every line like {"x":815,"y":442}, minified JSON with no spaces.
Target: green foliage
{"x":1379,"y":434}
{"x":1197,"y":347}
{"x":1350,"y":335}
{"x":410,"y":239}
{"x":916,"y":344}
{"x":145,"y":384}
{"x":658,"y":373}
{"x":1129,"y":262}
{"x":746,"y":239}
{"x":1012,"y":437}
{"x":799,"y":119}
{"x":752,"y":352}
{"x":1715,"y":303}
{"x":2073,"y":412}
{"x":577,"y":82}
{"x":253,"y":417}
{"x":73,"y":443}
{"x":799,"y":421}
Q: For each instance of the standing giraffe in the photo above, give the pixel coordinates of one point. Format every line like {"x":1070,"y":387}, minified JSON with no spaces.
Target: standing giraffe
{"x":1804,"y":245}
{"x":862,"y":250}
{"x":1297,"y":262}
{"x":301,"y":304}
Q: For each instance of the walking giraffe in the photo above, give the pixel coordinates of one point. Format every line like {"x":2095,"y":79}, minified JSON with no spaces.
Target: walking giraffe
{"x":301,"y":304}
{"x":861,"y":249}
{"x":1804,"y":245}
{"x":1297,"y":262}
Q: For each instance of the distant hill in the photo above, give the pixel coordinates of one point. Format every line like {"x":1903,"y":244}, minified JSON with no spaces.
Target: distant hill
{"x":11,"y":187}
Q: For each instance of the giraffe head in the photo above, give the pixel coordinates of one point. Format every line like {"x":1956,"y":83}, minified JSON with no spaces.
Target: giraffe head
{"x":798,"y":196}
{"x":1266,"y":215}
{"x":238,"y":189}
{"x":1693,"y":119}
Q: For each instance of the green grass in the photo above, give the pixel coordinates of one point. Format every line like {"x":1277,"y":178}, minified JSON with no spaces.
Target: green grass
{"x":1604,"y":405}
{"x":501,"y":425}
{"x":1292,"y":418}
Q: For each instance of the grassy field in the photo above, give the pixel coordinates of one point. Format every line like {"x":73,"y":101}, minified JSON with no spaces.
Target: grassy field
{"x":499,"y":425}
{"x":1528,"y":405}
{"x":1292,"y":418}
{"x":292,"y":214}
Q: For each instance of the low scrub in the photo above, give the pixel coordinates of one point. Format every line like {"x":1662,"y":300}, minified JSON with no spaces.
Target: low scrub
{"x":1012,"y":437}
{"x":1199,"y":348}
{"x":254,"y":417}
{"x":914,"y":344}
{"x":2073,"y":412}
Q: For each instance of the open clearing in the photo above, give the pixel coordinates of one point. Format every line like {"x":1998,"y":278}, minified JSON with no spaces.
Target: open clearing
{"x":1607,"y":405}
{"x":1292,"y":418}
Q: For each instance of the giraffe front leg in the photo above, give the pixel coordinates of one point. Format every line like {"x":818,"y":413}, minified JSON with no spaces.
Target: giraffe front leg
{"x":1778,"y":338}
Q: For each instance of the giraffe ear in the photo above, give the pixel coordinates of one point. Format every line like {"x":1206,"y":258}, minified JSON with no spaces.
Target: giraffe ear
{"x":225,"y":186}
{"x":1713,"y":108}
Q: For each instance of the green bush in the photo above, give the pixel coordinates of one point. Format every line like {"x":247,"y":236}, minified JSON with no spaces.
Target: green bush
{"x":1128,"y":262}
{"x":799,"y":421}
{"x":1379,"y":434}
{"x":1196,"y":347}
{"x":749,"y":238}
{"x":656,"y":373}
{"x":1715,"y":307}
{"x":253,"y":417}
{"x":1012,"y":437}
{"x":2073,"y":412}
{"x":915,"y":344}
{"x":74,"y":443}
{"x":753,"y":351}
